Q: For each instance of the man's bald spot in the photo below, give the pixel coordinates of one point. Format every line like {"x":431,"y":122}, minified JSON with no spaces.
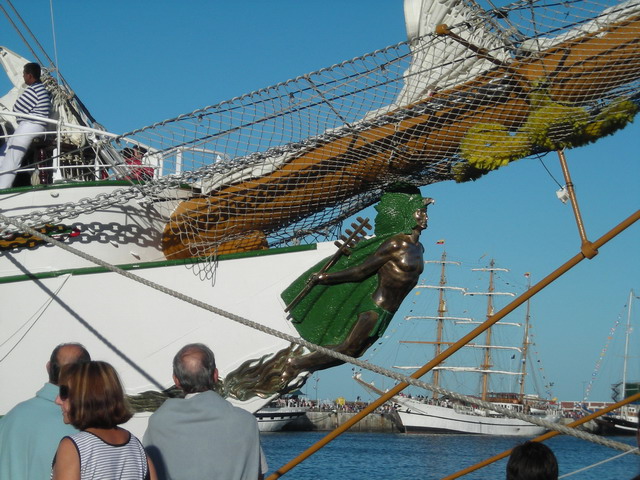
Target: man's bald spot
{"x":63,"y":355}
{"x":193,"y":359}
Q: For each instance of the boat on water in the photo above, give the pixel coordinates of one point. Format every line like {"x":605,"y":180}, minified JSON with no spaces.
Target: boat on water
{"x":443,"y":414}
{"x":275,"y":416}
{"x":274,"y":419}
{"x":623,"y":421}
{"x":230,"y":204}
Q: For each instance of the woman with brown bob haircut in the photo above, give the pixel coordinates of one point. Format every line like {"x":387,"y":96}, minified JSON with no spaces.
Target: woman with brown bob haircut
{"x":92,"y":400}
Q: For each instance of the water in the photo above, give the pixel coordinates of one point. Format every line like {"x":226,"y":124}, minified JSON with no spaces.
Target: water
{"x":364,"y":456}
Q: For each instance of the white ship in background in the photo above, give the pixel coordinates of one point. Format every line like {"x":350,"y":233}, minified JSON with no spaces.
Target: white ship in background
{"x":441,"y":414}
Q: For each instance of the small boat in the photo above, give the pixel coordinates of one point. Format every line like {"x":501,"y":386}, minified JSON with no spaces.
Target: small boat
{"x":275,"y":416}
{"x":623,"y":422}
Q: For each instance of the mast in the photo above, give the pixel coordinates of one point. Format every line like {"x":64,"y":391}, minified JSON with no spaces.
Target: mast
{"x":525,"y":344}
{"x":442,"y":309}
{"x":626,"y":345}
{"x":441,"y":314}
{"x":487,"y":361}
{"x":485,"y":369}
{"x":487,"y":352}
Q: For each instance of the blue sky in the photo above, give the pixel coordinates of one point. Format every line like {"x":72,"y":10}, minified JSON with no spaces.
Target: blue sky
{"x":135,"y":63}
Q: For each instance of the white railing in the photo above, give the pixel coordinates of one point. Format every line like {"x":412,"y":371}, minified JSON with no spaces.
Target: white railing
{"x":53,"y":169}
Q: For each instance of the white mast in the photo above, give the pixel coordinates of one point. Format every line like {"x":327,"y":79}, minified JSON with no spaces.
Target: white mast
{"x":487,"y":363}
{"x":626,"y":345}
{"x":525,"y":343}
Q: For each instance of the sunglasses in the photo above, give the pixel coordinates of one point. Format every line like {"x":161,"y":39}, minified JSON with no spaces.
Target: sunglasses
{"x":64,"y":392}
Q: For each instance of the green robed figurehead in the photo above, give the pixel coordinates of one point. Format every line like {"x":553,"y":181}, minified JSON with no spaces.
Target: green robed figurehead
{"x":352,"y":303}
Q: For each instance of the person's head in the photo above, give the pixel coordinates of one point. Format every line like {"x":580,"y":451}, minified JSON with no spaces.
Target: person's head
{"x":139,"y":151}
{"x":63,"y":355}
{"x":31,"y":73}
{"x":532,"y":461}
{"x":128,"y":152}
{"x":194,"y":368}
{"x":91,"y":395}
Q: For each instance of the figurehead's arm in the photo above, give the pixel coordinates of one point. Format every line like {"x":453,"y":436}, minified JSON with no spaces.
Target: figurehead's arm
{"x":368,"y":267}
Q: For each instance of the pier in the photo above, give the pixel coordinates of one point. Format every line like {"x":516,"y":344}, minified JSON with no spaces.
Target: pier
{"x":328,"y":419}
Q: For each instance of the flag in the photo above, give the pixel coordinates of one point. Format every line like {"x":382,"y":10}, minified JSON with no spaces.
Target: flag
{"x":440,"y":242}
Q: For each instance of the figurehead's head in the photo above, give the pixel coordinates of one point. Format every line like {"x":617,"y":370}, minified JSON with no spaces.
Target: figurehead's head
{"x":397,"y":210}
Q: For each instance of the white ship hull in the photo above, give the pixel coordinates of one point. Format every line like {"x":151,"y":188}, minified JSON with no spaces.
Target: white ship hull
{"x":273,"y":419}
{"x":419,"y":417}
{"x":51,"y":296}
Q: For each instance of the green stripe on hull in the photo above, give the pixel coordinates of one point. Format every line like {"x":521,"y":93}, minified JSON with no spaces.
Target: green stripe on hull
{"x":147,"y":265}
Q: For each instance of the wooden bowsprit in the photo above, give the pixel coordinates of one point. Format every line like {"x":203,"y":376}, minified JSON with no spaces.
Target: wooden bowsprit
{"x":344,"y":244}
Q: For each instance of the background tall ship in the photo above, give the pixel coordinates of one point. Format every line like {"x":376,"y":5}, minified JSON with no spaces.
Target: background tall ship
{"x":440,"y":413}
{"x":225,"y":207}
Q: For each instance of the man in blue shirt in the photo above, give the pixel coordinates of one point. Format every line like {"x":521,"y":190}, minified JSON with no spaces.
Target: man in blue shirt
{"x":31,"y":431}
{"x":35,"y":100}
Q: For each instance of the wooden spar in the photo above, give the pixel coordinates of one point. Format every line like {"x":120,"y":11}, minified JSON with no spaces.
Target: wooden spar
{"x":576,"y":71}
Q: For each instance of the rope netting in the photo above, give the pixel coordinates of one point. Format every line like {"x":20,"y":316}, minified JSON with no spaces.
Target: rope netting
{"x":295,"y":159}
{"x":471,"y":91}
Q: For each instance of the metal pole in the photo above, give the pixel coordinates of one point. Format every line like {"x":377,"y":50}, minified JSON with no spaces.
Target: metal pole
{"x":586,"y":245}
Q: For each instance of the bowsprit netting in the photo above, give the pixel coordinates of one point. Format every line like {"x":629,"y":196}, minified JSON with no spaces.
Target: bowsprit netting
{"x":471,"y":91}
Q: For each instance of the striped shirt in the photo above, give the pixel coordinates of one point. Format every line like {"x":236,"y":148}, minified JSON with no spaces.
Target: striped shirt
{"x":35,"y":100}
{"x":99,"y":459}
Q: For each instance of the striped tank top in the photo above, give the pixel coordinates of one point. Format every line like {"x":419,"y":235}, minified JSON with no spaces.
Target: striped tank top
{"x":101,"y":460}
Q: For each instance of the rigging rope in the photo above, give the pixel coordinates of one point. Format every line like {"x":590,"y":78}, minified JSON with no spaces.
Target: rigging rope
{"x":55,"y":40}
{"x":597,"y":464}
{"x":596,"y":368}
{"x":318,"y":348}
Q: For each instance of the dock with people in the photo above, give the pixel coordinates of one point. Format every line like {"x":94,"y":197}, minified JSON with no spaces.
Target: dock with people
{"x":327,"y":416}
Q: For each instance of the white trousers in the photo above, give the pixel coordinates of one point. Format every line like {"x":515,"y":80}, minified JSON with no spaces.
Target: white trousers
{"x":12,"y":152}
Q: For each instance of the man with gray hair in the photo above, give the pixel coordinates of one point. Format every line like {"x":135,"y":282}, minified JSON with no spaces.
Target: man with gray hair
{"x":202,"y":436}
{"x":31,"y":431}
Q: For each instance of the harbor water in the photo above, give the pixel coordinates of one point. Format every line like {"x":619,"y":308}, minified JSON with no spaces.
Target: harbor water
{"x":389,"y":456}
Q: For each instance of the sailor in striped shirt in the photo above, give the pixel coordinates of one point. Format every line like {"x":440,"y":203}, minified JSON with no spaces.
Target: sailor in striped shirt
{"x":35,"y":100}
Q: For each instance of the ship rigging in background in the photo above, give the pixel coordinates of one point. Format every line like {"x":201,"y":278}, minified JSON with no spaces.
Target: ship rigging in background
{"x":625,"y":420}
{"x":441,"y":414}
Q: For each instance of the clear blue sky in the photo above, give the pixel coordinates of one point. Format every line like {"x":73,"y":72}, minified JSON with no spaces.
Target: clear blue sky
{"x":135,"y":63}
